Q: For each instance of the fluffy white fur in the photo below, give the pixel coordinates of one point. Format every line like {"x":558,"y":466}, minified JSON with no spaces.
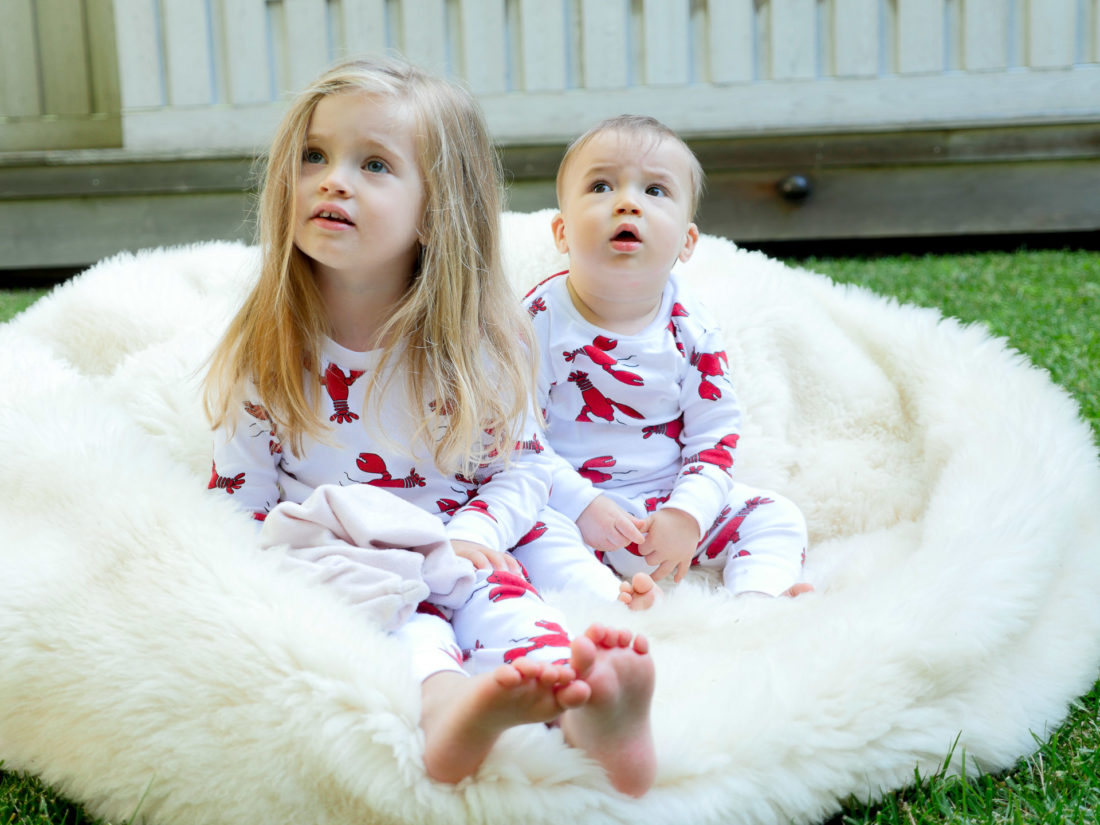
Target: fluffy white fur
{"x":151,"y":654}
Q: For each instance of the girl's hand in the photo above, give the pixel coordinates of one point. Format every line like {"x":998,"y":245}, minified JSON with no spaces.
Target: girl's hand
{"x":482,"y":557}
{"x":606,"y":526}
{"x":671,"y":543}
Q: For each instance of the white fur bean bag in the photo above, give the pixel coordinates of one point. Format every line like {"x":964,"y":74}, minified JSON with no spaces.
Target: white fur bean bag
{"x":152,"y":660}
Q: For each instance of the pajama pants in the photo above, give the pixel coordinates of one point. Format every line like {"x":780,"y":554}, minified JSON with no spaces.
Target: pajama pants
{"x":503,"y":620}
{"x":758,"y":542}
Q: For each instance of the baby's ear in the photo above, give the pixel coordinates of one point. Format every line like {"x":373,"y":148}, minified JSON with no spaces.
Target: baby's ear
{"x":557,"y":226}
{"x":691,"y":237}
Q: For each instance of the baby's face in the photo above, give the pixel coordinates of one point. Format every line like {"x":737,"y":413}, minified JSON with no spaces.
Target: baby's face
{"x":626,"y":210}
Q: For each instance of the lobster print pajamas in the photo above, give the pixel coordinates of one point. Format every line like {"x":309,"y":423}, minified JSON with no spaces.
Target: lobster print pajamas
{"x":651,"y":420}
{"x":504,"y":617}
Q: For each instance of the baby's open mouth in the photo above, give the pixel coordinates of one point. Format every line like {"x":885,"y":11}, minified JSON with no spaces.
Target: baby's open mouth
{"x":625,"y":235}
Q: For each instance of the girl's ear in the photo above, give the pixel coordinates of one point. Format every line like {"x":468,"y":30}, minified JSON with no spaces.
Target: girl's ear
{"x":557,"y":226}
{"x":691,"y":238}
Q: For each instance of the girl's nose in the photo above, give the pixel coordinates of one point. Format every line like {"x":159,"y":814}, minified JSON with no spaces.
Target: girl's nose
{"x":334,"y":182}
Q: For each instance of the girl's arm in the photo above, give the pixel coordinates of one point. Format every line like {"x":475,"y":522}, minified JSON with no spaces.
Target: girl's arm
{"x":246,"y":455}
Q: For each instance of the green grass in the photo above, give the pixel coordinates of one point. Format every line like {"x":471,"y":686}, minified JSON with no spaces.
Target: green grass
{"x":1047,"y":304}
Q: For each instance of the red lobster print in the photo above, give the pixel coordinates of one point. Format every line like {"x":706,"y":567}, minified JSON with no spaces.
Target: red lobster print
{"x":557,"y":637}
{"x":592,"y":469}
{"x":596,"y":403}
{"x":672,"y":429}
{"x":709,"y":365}
{"x":532,"y":445}
{"x":376,"y":465}
{"x":260,"y":414}
{"x":481,"y":506}
{"x":336,"y":385}
{"x":450,"y":506}
{"x":536,"y":306}
{"x":230,"y":484}
{"x":675,"y":333}
{"x":509,"y":586}
{"x":730,"y":532}
{"x":720,"y":455}
{"x":597,"y":352}
{"x":536,"y":532}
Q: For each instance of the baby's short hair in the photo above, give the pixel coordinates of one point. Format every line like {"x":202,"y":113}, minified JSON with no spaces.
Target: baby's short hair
{"x":640,"y":126}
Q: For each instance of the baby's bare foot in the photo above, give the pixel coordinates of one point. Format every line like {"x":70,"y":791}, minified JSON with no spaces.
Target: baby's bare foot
{"x":613,"y":726}
{"x":462,"y":716}
{"x":640,"y":593}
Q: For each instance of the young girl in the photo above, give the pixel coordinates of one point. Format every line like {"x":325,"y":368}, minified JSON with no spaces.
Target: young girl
{"x":363,"y":355}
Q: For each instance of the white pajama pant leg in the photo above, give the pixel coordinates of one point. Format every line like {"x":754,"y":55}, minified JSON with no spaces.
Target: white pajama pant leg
{"x":504,"y":619}
{"x":556,"y":558}
{"x":758,"y":541}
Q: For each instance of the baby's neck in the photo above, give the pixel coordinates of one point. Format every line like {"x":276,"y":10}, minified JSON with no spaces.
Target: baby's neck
{"x":627,"y":317}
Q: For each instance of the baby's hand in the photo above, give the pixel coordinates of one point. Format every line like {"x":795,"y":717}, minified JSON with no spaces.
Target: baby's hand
{"x":482,"y":557}
{"x":606,"y":526}
{"x":671,"y":543}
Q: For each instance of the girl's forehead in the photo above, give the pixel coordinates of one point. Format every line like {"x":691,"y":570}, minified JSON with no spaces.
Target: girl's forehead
{"x":361,"y":111}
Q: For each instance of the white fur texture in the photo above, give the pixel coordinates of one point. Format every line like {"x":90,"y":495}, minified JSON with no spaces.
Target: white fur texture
{"x":150,"y":654}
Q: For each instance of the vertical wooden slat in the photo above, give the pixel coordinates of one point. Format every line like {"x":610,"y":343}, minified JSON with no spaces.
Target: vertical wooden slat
{"x":605,"y":57}
{"x":854,"y":38}
{"x":985,"y":34}
{"x":187,"y":58}
{"x":103,"y":56}
{"x":64,"y":58}
{"x":139,"y":59}
{"x":1051,"y":33}
{"x":484,"y":33}
{"x":244,"y":51}
{"x":19,"y":76}
{"x":364,"y":27}
{"x":667,"y":39}
{"x":731,"y":33}
{"x":920,"y":36}
{"x":542,"y":44}
{"x":305,"y":49}
{"x":424,"y":35}
{"x":793,"y":39}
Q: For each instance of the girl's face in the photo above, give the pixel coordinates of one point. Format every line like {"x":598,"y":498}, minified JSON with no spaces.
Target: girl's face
{"x":360,"y":194}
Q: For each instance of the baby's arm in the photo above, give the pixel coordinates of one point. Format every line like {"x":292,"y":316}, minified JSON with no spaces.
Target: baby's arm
{"x":483,"y":558}
{"x":605,"y":526}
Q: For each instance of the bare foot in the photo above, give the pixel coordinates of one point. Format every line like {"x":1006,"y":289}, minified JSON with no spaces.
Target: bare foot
{"x":463,"y":716}
{"x":798,"y":589}
{"x":640,"y":593}
{"x":613,"y":725}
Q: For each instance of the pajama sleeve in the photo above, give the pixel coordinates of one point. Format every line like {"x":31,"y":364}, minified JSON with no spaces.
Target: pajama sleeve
{"x":509,"y":496}
{"x":712,"y":423}
{"x":246,"y":452}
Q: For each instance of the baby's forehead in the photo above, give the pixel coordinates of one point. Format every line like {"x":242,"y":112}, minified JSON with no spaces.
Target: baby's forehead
{"x":618,"y":148}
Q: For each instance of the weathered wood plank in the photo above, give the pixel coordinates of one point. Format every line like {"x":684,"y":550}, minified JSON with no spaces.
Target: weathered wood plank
{"x":605,"y":56}
{"x":244,"y":51}
{"x":667,"y":39}
{"x":793,"y":39}
{"x":424,"y":35}
{"x":483,"y":37}
{"x":103,"y":57}
{"x":920,"y":36}
{"x":19,"y":73}
{"x":854,"y":38}
{"x":139,"y":57}
{"x":364,"y":27}
{"x":1051,"y":33}
{"x":985,"y":34}
{"x":304,"y":51}
{"x":731,"y":35}
{"x":63,"y":55}
{"x":187,"y":55}
{"x":542,"y":45}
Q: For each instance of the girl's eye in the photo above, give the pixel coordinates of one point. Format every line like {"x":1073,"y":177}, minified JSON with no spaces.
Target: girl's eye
{"x":313,"y":156}
{"x":600,"y":186}
{"x":656,"y":191}
{"x":375,"y":166}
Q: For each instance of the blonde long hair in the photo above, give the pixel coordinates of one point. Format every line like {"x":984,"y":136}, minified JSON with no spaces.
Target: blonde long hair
{"x":462,"y":337}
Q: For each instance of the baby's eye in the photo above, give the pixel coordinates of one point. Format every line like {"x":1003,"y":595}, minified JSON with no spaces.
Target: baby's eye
{"x":656,"y":191}
{"x":600,"y":186}
{"x":313,"y":156}
{"x":375,"y":165}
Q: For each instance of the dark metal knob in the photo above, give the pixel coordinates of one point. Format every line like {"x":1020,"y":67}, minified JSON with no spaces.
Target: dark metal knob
{"x":794,"y":188}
